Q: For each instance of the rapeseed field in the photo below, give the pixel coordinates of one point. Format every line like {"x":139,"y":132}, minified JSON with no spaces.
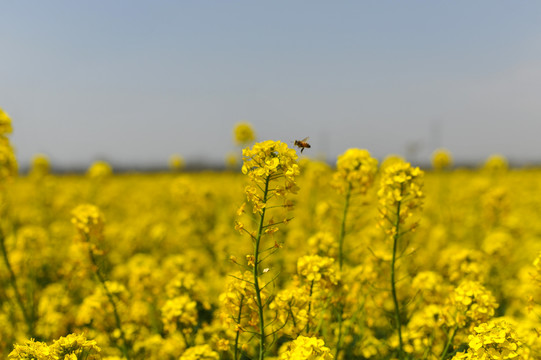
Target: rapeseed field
{"x":277,"y":258}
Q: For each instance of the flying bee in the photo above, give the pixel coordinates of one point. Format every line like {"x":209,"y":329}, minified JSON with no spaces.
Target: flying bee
{"x":302,"y":144}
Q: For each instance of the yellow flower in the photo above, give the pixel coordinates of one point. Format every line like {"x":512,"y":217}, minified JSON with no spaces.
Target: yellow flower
{"x":240,"y":295}
{"x":200,"y":352}
{"x":473,"y":304}
{"x":89,"y":221}
{"x":5,"y":123}
{"x":243,"y":133}
{"x":99,"y":170}
{"x":176,"y":162}
{"x":355,"y":169}
{"x":231,"y":160}
{"x":40,"y":166}
{"x":265,"y":162}
{"x":179,"y":313}
{"x":401,"y":188}
{"x":321,"y":270}
{"x":441,"y":159}
{"x":72,"y":345}
{"x":492,"y":340}
{"x":8,"y":162}
{"x":306,"y":348}
{"x":496,"y":163}
{"x":31,"y":350}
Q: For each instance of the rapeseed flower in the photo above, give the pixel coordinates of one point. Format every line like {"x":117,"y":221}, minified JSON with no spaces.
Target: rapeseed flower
{"x":441,"y":159}
{"x":243,"y":134}
{"x":492,"y":340}
{"x":99,"y":170}
{"x":179,"y":313}
{"x":306,"y":348}
{"x":400,"y":193}
{"x":41,"y":166}
{"x":176,"y":162}
{"x":200,"y":352}
{"x":472,"y":304}
{"x":5,"y":123}
{"x":496,"y":163}
{"x":32,"y":350}
{"x":356,"y":170}
{"x":89,"y":221}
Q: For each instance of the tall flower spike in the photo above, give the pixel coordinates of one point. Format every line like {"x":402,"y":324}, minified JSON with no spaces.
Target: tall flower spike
{"x":400,"y":193}
{"x":271,"y":167}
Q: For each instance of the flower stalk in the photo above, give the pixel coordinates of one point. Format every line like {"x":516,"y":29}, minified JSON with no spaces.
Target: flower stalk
{"x":28,"y":318}
{"x":399,"y":195}
{"x":398,"y":321}
{"x":257,"y":262}
{"x":124,"y":347}
{"x":271,"y":167}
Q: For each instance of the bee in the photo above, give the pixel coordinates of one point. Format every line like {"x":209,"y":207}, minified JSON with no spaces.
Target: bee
{"x":302,"y":144}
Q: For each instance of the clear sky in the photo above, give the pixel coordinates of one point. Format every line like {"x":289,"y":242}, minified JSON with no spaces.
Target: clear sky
{"x":136,"y":81}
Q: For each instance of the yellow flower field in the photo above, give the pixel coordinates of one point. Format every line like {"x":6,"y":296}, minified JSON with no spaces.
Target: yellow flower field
{"x":284,"y":259}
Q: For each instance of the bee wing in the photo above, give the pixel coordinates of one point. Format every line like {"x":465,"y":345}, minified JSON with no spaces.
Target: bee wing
{"x":305,"y":139}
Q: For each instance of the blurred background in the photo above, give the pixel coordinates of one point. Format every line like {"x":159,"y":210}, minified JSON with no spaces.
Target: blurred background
{"x":132,"y":82}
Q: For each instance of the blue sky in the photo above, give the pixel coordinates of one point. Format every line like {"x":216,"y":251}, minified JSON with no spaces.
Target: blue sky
{"x":136,"y":81}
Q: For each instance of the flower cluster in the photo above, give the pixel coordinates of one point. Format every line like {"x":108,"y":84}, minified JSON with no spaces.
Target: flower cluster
{"x":267,"y":161}
{"x":400,"y":193}
{"x":355,"y":170}
{"x":99,"y":170}
{"x":71,"y":347}
{"x":317,"y":269}
{"x":243,"y":133}
{"x":441,"y":159}
{"x":179,"y":313}
{"x":473,"y":303}
{"x":96,"y":306}
{"x":537,"y":265}
{"x":5,"y":123}
{"x":492,"y":340}
{"x":89,"y":221}
{"x":323,"y":243}
{"x":496,"y":163}
{"x":306,"y":348}
{"x":31,"y":350}
{"x":8,"y":162}
{"x":176,"y":162}
{"x":239,"y":301}
{"x":292,"y":309}
{"x":200,"y":352}
{"x":270,"y":159}
{"x":40,"y":166}
{"x":74,"y":344}
{"x":459,"y":263}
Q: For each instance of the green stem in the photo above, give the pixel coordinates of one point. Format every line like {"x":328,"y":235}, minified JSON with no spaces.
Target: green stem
{"x":309,"y":307}
{"x":238,"y":329}
{"x":341,"y":262}
{"x":449,"y":342}
{"x":100,"y":277}
{"x":393,"y":285}
{"x":343,"y":228}
{"x":13,"y":281}
{"x":339,"y":341}
{"x":256,"y":275}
